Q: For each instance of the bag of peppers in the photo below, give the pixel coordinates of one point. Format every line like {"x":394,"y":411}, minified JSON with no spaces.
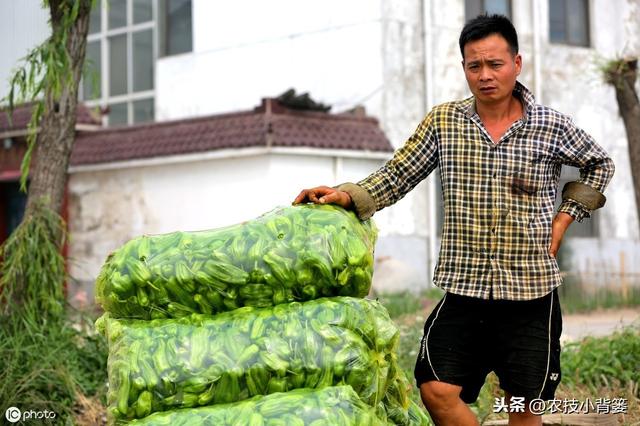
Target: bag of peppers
{"x":290,"y":254}
{"x":330,"y":406}
{"x":198,"y":360}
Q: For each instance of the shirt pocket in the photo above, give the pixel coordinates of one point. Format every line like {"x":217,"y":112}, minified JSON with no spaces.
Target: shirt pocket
{"x":529,"y":172}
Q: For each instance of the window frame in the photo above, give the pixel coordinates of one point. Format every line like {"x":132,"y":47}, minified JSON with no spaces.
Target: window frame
{"x":103,"y":38}
{"x":164,"y":29}
{"x":483,"y":9}
{"x":566,"y":41}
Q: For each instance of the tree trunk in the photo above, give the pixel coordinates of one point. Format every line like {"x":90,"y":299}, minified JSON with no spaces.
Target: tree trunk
{"x":623,"y":77}
{"x":57,"y":128}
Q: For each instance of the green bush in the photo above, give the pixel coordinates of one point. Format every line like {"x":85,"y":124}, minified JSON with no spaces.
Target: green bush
{"x":407,"y":302}
{"x":608,"y":361}
{"x":49,"y":365}
{"x":399,"y":304}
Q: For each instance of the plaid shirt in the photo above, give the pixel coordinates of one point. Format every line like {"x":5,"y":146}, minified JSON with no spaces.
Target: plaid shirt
{"x":498,"y":197}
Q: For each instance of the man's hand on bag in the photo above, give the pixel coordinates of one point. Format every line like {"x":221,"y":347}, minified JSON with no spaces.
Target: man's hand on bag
{"x":559,"y":226}
{"x":324,"y":195}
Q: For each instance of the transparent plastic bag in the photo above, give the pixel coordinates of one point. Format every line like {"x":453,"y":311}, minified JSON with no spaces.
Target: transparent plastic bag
{"x":200,"y":360}
{"x":417,"y":416}
{"x":396,"y":406}
{"x":331,"y":406}
{"x":290,"y":254}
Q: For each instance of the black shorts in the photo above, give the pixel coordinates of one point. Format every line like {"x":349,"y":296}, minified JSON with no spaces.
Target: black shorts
{"x":465,"y":338}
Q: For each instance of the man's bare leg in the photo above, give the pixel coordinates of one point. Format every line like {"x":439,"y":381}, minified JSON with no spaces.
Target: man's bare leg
{"x":445,"y":406}
{"x":527,"y":418}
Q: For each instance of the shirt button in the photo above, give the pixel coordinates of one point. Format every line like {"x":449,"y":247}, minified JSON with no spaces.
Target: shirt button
{"x":495,"y":175}
{"x":493,"y":230}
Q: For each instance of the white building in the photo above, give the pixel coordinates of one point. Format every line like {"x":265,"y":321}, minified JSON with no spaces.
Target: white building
{"x":173,"y":59}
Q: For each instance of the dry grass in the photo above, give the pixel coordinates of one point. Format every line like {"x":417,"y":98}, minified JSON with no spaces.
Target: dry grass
{"x":89,"y":411}
{"x":631,"y":418}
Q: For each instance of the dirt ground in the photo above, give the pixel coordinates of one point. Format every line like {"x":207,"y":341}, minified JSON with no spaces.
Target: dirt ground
{"x":598,"y":323}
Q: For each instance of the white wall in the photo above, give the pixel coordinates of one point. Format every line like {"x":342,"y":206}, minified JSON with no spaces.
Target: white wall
{"x":330,"y":49}
{"x":24,"y":26}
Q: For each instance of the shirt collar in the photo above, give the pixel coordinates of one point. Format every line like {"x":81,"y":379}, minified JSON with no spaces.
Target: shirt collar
{"x":519,"y":91}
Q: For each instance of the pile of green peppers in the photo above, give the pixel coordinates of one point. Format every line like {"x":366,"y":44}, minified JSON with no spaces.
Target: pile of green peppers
{"x":261,"y":323}
{"x":199,"y":360}
{"x":295,"y":253}
{"x":331,"y":406}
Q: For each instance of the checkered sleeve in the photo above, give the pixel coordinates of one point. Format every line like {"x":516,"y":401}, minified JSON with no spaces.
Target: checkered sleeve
{"x":575,"y":210}
{"x":579,"y":149}
{"x":410,"y":164}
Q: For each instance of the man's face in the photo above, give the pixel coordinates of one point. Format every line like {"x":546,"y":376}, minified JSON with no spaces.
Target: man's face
{"x":490,"y":68}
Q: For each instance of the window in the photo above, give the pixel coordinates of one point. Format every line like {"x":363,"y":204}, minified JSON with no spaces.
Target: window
{"x":118,"y":114}
{"x":95,"y":19}
{"x":122,"y":48}
{"x":143,"y":60}
{"x":91,"y":77}
{"x":143,"y":111}
{"x":118,"y":65}
{"x":175,"y":27}
{"x":569,"y":22}
{"x":117,"y":13}
{"x":473,"y":8}
{"x":142,"y":11}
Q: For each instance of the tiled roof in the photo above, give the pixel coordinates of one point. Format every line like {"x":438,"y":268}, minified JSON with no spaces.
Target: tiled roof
{"x":22,"y":115}
{"x":270,"y":124}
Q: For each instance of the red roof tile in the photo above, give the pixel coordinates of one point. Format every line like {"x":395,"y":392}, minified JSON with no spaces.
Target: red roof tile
{"x":22,"y":115}
{"x":271,"y":121}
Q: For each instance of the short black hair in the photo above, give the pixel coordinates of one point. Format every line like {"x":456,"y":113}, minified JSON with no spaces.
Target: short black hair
{"x":485,"y":25}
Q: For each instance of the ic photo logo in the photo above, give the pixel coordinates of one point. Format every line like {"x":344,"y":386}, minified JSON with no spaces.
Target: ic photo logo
{"x":13,"y":414}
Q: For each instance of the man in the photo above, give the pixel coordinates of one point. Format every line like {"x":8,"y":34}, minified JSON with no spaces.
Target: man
{"x":499,"y":156}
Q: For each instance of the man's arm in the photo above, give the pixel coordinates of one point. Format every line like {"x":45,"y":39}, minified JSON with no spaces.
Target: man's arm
{"x":579,"y":149}
{"x":410,"y":164}
{"x":580,"y":197}
{"x":559,"y":226}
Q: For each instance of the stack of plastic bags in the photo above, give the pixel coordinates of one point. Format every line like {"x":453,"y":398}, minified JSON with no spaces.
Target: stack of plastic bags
{"x":262,"y":323}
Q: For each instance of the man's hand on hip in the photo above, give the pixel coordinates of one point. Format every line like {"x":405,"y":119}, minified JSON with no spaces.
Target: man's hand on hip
{"x":324,"y":195}
{"x":559,"y":226}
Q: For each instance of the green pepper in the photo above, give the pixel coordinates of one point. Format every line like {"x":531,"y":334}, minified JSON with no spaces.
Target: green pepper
{"x":277,"y":384}
{"x":123,"y":390}
{"x":143,"y":404}
{"x":160,"y":357}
